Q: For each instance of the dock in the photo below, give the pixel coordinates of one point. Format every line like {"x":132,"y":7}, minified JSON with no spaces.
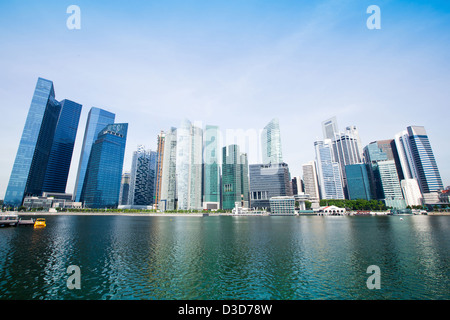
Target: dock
{"x":26,"y":222}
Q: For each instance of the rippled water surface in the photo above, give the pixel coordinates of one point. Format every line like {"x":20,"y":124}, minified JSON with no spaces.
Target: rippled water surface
{"x":306,"y":257}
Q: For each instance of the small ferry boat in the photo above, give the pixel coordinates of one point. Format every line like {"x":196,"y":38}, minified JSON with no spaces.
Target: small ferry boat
{"x":39,"y":223}
{"x":8,"y":219}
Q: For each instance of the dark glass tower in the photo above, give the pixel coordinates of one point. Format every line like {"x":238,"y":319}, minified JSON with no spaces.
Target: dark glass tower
{"x":97,"y":120}
{"x":62,"y":148}
{"x":101,"y":187}
{"x":37,"y":148}
{"x":234,"y":177}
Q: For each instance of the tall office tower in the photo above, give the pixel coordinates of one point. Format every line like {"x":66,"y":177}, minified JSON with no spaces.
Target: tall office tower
{"x":189,"y":166}
{"x":124,"y":188}
{"x":234,"y":177}
{"x":211,"y":174}
{"x":427,"y":171}
{"x":142,"y":178}
{"x":37,"y":146}
{"x":271,"y":143}
{"x":159,"y":166}
{"x":358,"y":182}
{"x":310,"y":182}
{"x":97,"y":120}
{"x":297,"y":185}
{"x":411,"y":192}
{"x":403,"y":156}
{"x":62,"y":148}
{"x":168,"y":198}
{"x":328,"y":171}
{"x":383,"y":174}
{"x":267,"y":181}
{"x":104,"y":171}
{"x":329,"y":128}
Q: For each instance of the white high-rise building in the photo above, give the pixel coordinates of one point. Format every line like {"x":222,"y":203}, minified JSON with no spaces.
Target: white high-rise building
{"x":168,"y":173}
{"x":328,"y":171}
{"x":411,"y":192}
{"x":189,"y":166}
{"x":271,"y":143}
{"x":310,"y":181}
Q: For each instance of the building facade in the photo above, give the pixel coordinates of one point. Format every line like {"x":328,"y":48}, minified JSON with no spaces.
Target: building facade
{"x":168,"y":199}
{"x":37,"y":147}
{"x":310,"y":182}
{"x":267,"y":181}
{"x":211,"y":168}
{"x":358,"y":183}
{"x":142,"y":177}
{"x":271,"y":143}
{"x":104,"y":171}
{"x":97,"y":120}
{"x":234,"y":177}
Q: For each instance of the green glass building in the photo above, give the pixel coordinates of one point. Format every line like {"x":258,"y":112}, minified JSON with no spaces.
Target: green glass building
{"x":234,"y":177}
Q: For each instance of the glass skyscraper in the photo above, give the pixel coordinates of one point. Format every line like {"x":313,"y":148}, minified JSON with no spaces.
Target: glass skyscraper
{"x":168,"y":200}
{"x":358,"y":183}
{"x":37,"y":147}
{"x":104,"y":171}
{"x":328,"y":171}
{"x":234,"y":177}
{"x":142,"y":178}
{"x":271,"y":143}
{"x":211,"y":172}
{"x":97,"y":120}
{"x":268,"y":180}
{"x":426,"y":168}
{"x":62,"y":149}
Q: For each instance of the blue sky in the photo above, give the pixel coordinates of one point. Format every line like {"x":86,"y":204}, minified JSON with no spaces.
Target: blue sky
{"x":236,"y":64}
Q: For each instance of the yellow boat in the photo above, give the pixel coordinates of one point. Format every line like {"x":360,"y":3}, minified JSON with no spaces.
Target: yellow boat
{"x":39,"y":223}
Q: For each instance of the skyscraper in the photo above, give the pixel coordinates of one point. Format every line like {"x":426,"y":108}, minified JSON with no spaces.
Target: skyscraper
{"x":159,"y":166}
{"x":310,"y":181}
{"x":211,"y":166}
{"x":62,"y":149}
{"x":97,"y":120}
{"x":142,"y":177}
{"x":267,"y":181}
{"x":329,"y":128}
{"x":124,"y":188}
{"x":383,"y":173}
{"x":168,"y":199}
{"x":358,"y":182}
{"x":189,"y":166}
{"x":328,"y":171}
{"x":271,"y":143}
{"x":36,"y":147}
{"x":426,"y":168}
{"x":104,"y":171}
{"x":234,"y":177}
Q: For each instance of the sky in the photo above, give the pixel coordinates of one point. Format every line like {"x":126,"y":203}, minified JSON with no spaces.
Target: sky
{"x":236,"y":64}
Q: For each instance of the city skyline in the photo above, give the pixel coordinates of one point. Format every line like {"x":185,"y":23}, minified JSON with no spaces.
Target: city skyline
{"x":290,"y":67}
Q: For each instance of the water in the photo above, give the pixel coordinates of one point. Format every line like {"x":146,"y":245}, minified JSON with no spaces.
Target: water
{"x":306,"y":257}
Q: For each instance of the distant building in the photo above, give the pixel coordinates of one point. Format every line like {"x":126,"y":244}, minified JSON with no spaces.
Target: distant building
{"x":124,"y":189}
{"x":142,"y":177}
{"x":282,"y":205}
{"x":104,"y":172}
{"x":310,"y":182}
{"x":44,"y":154}
{"x":358,"y":183}
{"x":411,"y":192}
{"x":159,"y":166}
{"x":271,"y":143}
{"x":267,"y":181}
{"x":234,"y":178}
{"x":331,"y":210}
{"x":383,"y":174}
{"x":328,"y":171}
{"x":168,"y":198}
{"x":189,"y":166}
{"x":97,"y":120}
{"x":211,"y":169}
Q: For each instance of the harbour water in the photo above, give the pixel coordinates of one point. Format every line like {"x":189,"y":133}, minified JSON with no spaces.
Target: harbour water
{"x":301,"y":257}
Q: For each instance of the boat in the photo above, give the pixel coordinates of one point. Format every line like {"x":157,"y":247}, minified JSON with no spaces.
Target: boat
{"x":8,"y":219}
{"x":26,"y":222}
{"x":39,"y":223}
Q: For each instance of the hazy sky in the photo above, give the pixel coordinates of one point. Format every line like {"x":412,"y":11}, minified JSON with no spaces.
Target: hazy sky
{"x":236,"y":64}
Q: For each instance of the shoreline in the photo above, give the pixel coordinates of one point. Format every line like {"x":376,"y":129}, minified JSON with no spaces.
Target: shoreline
{"x":181,"y":214}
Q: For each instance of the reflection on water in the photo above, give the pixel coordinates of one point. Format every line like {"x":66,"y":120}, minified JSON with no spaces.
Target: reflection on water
{"x":306,"y":257}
